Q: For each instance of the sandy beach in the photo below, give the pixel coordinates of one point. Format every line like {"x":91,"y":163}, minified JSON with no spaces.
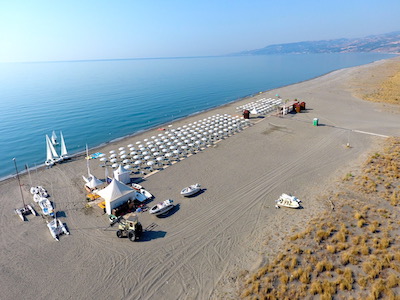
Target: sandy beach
{"x":198,"y":251}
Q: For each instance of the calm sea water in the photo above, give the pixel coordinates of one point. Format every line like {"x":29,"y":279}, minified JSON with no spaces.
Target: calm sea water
{"x":94,"y":102}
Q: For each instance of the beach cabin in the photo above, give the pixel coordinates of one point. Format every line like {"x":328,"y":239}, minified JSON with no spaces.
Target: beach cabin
{"x":116,"y":194}
{"x":122,"y":175}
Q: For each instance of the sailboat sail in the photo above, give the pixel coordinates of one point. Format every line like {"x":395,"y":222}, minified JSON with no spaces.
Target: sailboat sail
{"x":49,"y":155}
{"x":64,"y":152}
{"x":54,"y":138}
{"x":53,"y":150}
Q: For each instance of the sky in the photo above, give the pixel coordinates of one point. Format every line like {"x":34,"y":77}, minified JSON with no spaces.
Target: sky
{"x":53,"y":30}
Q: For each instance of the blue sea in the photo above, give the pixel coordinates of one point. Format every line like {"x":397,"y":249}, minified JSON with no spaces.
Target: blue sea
{"x":94,"y":102}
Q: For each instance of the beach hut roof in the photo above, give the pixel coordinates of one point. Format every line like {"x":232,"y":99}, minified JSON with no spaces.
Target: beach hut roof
{"x":115,"y":190}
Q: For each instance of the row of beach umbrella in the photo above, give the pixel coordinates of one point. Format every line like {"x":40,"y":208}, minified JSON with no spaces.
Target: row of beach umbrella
{"x":261,"y":106}
{"x":174,"y":144}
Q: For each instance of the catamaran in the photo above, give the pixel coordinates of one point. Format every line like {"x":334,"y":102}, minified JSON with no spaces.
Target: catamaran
{"x":57,"y":228}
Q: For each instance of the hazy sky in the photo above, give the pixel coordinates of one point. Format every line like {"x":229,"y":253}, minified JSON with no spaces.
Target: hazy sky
{"x":43,"y":30}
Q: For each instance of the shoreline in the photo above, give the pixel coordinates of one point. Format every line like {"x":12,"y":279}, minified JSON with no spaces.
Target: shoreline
{"x":144,"y":131}
{"x":199,"y":250}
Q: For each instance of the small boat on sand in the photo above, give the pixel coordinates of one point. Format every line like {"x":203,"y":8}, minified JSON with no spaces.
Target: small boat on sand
{"x":140,"y":197}
{"x":190,"y":190}
{"x":136,"y":186}
{"x":288,"y":201}
{"x":147,"y":194}
{"x":46,"y":207}
{"x":56,"y":228}
{"x":162,"y":207}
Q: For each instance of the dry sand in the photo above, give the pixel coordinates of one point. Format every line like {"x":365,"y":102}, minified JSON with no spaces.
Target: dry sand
{"x":198,"y":251}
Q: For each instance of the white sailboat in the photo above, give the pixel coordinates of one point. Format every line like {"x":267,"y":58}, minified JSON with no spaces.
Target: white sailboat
{"x":50,"y":159}
{"x":64,"y":152}
{"x":54,"y":138}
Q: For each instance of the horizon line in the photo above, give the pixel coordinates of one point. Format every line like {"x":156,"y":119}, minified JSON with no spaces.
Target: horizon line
{"x":111,"y":59}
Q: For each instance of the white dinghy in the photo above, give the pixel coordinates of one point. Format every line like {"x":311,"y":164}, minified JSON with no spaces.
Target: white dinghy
{"x":146,"y":193}
{"x":46,"y":207}
{"x":57,"y":228}
{"x":136,"y":186}
{"x":190,"y":190}
{"x":162,"y":207}
{"x":288,"y":201}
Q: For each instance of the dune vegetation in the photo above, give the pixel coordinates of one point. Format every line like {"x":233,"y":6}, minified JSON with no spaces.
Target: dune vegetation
{"x":351,"y":251}
{"x":382,"y":86}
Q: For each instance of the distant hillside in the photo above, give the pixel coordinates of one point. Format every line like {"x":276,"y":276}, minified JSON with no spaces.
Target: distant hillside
{"x":383,"y":43}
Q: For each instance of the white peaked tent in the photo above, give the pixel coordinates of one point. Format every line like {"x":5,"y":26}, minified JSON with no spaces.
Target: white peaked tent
{"x":93,"y":182}
{"x":122,"y":175}
{"x":115,"y":194}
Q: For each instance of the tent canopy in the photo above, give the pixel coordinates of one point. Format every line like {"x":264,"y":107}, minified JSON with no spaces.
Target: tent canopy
{"x":115,"y":190}
{"x":93,"y":182}
{"x":122,"y":174}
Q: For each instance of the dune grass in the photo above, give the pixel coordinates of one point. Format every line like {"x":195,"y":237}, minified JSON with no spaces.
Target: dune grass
{"x":352,"y":252}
